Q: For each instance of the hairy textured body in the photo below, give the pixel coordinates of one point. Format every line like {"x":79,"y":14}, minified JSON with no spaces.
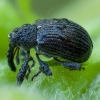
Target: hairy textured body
{"x":52,"y":38}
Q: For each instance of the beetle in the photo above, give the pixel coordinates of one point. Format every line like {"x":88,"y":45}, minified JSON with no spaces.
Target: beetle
{"x":52,"y":38}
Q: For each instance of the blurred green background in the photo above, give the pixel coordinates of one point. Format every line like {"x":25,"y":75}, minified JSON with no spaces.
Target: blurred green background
{"x":64,"y":84}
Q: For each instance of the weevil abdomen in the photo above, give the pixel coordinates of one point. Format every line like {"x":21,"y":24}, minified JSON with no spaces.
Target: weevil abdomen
{"x":63,"y":38}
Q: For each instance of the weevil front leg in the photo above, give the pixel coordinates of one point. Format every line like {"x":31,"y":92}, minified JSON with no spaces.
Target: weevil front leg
{"x":44,"y":68}
{"x":23,"y":55}
{"x":29,"y":67}
{"x":29,"y":71}
{"x":33,"y":62}
{"x":23,"y":70}
{"x":70,"y":65}
{"x":35,"y":75}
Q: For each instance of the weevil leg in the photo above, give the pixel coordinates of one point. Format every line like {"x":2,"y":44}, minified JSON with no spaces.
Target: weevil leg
{"x":29,"y":68}
{"x":44,"y":68}
{"x":23,"y":70}
{"x":70,"y":65}
{"x":23,"y":54}
{"x":35,"y":75}
{"x":31,"y":59}
{"x":29,"y":71}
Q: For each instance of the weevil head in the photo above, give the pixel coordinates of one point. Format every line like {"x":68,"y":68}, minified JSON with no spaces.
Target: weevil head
{"x":24,"y":36}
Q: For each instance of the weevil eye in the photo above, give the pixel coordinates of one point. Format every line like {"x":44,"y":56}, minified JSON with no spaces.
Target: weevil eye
{"x":9,"y":37}
{"x":13,"y":38}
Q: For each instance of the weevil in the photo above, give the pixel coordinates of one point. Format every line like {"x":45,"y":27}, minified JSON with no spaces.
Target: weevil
{"x":52,"y":38}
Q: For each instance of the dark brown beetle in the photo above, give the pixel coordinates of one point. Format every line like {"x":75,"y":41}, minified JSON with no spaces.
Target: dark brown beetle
{"x":52,"y":38}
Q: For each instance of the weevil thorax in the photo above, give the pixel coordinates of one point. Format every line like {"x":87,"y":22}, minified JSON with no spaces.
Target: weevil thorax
{"x":24,"y":36}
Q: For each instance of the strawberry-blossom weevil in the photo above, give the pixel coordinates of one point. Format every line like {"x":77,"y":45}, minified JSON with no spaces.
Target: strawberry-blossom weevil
{"x":51,"y":38}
